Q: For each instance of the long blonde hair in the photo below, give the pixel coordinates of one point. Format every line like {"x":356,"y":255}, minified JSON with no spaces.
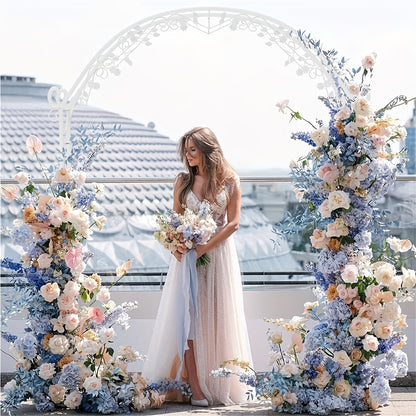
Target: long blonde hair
{"x":214,"y":164}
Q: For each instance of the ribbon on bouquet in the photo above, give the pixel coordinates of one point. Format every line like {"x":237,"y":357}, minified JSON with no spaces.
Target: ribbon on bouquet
{"x":187,"y":302}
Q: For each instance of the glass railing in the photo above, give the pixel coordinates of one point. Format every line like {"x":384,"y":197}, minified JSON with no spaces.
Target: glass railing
{"x":265,"y":259}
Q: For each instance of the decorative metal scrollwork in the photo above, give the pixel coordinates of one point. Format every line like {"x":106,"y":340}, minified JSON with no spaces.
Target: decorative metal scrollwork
{"x":301,"y":51}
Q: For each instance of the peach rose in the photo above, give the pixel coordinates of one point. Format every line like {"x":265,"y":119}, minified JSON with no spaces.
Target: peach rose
{"x":9,"y":192}
{"x":57,"y":393}
{"x":319,"y":239}
{"x":50,"y":291}
{"x":360,"y":326}
{"x":342,"y":389}
{"x":370,"y":343}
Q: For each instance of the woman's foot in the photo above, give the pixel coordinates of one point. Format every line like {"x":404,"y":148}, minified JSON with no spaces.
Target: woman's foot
{"x":200,"y":403}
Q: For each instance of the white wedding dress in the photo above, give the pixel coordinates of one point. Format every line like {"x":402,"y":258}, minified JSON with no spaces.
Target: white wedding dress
{"x":218,"y":329}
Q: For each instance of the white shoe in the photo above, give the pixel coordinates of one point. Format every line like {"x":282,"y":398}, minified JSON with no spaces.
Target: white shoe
{"x":200,"y":403}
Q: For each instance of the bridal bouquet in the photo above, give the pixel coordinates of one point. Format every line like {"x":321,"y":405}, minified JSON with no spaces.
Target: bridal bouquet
{"x":189,"y":228}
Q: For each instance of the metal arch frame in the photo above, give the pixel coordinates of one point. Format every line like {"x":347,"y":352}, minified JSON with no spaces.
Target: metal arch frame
{"x":205,"y":19}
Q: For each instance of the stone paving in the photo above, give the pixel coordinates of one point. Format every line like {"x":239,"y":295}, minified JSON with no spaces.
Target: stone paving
{"x":402,"y":403}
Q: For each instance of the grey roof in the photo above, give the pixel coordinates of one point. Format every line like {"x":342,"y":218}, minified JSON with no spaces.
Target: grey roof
{"x":136,"y":151}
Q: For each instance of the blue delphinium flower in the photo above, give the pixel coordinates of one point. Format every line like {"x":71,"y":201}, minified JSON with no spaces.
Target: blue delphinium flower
{"x":84,"y":198}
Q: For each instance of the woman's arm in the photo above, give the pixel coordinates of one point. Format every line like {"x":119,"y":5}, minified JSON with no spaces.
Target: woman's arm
{"x":233,"y":217}
{"x":177,"y":207}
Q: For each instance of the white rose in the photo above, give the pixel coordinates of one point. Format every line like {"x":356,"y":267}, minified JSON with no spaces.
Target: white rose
{"x":350,"y":273}
{"x":92,"y":383}
{"x":370,"y":343}
{"x":103,"y":295}
{"x":383,"y":329}
{"x":88,"y":347}
{"x":44,"y":261}
{"x":409,"y":278}
{"x":106,"y":335}
{"x":398,"y":245}
{"x":89,"y":283}
{"x":22,"y":178}
{"x":50,"y":291}
{"x":59,"y":344}
{"x":289,"y":369}
{"x":320,"y":136}
{"x":72,"y":288}
{"x":71,"y":321}
{"x":384,"y":273}
{"x":351,"y":129}
{"x":360,"y":326}
{"x":338,"y":199}
{"x":362,"y":107}
{"x":73,"y":400}
{"x":46,"y":371}
{"x":342,"y":358}
{"x":391,"y":311}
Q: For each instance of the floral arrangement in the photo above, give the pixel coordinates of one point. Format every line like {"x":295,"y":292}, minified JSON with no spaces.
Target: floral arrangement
{"x":360,"y":272}
{"x":66,"y":357}
{"x":190,"y":229}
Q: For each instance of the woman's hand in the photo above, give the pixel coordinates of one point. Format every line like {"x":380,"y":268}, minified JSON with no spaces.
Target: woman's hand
{"x":182,"y":248}
{"x":178,"y":255}
{"x":200,"y":250}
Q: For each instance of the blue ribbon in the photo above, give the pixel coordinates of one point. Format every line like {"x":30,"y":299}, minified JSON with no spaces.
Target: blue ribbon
{"x":187,"y":299}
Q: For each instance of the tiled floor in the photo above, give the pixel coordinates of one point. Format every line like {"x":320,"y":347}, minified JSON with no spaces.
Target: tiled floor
{"x":402,"y":403}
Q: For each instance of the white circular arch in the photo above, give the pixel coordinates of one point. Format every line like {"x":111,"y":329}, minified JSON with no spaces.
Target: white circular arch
{"x":301,"y":50}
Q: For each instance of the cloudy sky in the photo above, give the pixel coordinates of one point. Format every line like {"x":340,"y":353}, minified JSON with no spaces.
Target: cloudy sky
{"x":229,"y":80}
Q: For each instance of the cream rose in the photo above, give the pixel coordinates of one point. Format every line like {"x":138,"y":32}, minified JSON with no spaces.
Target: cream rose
{"x":384,"y":273}
{"x":290,"y":398}
{"x":44,"y":261}
{"x":50,"y":291}
{"x":319,"y":239}
{"x":351,"y":129}
{"x":103,"y":295}
{"x":47,"y":371}
{"x":343,"y":113}
{"x":398,"y":245}
{"x":320,"y":136}
{"x":289,"y":370}
{"x":383,"y":329}
{"x":342,"y":389}
{"x":360,"y":326}
{"x":92,"y":383}
{"x":362,"y":107}
{"x":370,"y":343}
{"x":59,"y":344}
{"x":409,"y":278}
{"x":57,"y":393}
{"x":106,"y":335}
{"x":22,"y":178}
{"x":73,"y":400}
{"x":391,"y":312}
{"x":324,"y":209}
{"x":350,"y":273}
{"x":322,"y":379}
{"x":71,"y":321}
{"x":338,"y":199}
{"x":342,"y":358}
{"x":337,"y":228}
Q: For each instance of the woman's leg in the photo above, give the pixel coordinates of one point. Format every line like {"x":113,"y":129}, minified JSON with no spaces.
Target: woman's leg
{"x":192,"y":373}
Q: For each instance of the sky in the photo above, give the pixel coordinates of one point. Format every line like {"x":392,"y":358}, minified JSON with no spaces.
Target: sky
{"x":229,"y":80}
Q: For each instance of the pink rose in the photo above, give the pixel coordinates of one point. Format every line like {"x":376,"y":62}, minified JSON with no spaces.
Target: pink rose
{"x":67,"y":303}
{"x":369,"y":61}
{"x":73,"y":257}
{"x":328,"y":172}
{"x":324,"y":209}
{"x":57,"y":393}
{"x":92,"y":383}
{"x":354,"y":89}
{"x":96,"y":315}
{"x":383,"y":329}
{"x":46,"y":371}
{"x":351,"y":129}
{"x":73,"y":400}
{"x":343,"y":113}
{"x":33,"y":145}
{"x":71,"y":321}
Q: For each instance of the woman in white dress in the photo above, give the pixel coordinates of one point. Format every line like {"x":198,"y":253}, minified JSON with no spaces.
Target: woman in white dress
{"x":217,"y":330}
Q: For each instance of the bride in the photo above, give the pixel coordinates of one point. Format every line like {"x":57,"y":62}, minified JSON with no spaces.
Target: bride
{"x":217,"y":329}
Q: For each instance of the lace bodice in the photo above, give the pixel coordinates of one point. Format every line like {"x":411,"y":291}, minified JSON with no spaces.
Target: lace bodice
{"x":218,"y":208}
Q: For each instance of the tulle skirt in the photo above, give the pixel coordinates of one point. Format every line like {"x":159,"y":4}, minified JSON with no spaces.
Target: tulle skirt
{"x":218,"y":327}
